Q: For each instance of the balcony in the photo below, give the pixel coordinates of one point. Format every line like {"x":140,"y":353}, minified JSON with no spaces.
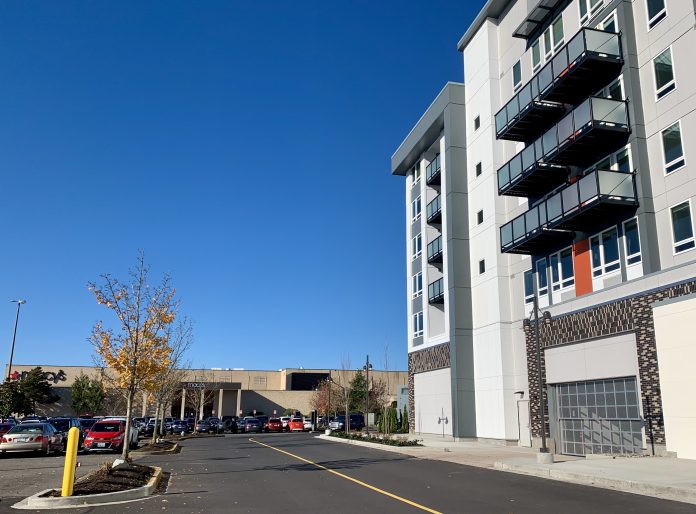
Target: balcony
{"x":591,"y":202}
{"x":434,"y":251}
{"x":436,"y":292}
{"x":433,"y":211}
{"x":584,"y":65}
{"x":432,"y":172}
{"x":527,"y":175}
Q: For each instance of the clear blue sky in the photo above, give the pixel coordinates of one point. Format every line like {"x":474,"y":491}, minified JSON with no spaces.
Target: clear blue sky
{"x":244,"y":146}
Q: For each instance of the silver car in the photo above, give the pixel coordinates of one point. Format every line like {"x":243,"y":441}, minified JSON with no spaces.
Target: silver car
{"x":37,"y":437}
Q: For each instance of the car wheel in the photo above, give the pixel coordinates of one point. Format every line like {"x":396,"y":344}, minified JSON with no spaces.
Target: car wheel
{"x":48,"y":449}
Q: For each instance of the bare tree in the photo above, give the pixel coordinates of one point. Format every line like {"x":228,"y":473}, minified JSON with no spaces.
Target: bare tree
{"x":197,"y":398}
{"x":343,"y":382}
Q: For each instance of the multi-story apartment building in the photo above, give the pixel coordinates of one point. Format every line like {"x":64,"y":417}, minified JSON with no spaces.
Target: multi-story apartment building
{"x":571,"y":184}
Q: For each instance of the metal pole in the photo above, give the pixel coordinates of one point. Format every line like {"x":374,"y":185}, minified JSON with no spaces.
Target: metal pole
{"x":542,"y":407}
{"x":328,"y":407}
{"x":14,"y":336}
{"x":367,"y":395}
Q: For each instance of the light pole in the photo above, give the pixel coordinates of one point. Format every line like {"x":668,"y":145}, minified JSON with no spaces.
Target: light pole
{"x":367,"y":367}
{"x":14,"y":335}
{"x":542,"y":407}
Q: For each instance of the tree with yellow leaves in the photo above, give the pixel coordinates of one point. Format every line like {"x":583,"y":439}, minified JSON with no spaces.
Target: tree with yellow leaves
{"x":136,"y":345}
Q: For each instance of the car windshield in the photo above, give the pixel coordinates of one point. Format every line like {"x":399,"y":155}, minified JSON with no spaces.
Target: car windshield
{"x":253,"y":422}
{"x":86,"y":423}
{"x":274,"y":420}
{"x":62,"y":425}
{"x":5,"y":426}
{"x":106,"y":427}
{"x":297,"y":420}
{"x":27,"y":429}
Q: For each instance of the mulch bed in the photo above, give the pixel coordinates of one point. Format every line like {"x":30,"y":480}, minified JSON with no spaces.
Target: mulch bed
{"x":159,"y":446}
{"x":106,"y":480}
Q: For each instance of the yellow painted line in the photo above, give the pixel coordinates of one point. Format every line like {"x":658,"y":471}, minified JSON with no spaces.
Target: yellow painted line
{"x":354,"y":480}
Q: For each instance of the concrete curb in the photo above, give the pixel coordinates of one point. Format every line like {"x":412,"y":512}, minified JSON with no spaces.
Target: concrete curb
{"x":37,"y":502}
{"x":664,"y":492}
{"x":140,"y":453}
{"x":404,"y":450}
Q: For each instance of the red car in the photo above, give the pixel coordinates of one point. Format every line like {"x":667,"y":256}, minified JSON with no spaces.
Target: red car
{"x":296,"y":425}
{"x":105,"y":435}
{"x":274,"y":425}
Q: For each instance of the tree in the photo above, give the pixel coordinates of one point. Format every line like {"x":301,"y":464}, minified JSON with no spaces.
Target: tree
{"x":136,"y":347}
{"x":343,"y":384}
{"x":36,"y":389}
{"x":87,"y":395}
{"x":404,"y":421}
{"x":12,"y":400}
{"x":198,"y":398}
{"x":358,"y":387}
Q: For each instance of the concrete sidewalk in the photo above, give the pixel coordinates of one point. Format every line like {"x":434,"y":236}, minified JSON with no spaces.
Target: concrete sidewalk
{"x":660,"y":477}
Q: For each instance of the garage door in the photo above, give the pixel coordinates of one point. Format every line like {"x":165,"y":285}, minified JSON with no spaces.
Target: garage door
{"x":599,"y":417}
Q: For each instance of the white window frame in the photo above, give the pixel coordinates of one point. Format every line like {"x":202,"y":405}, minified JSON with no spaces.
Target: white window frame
{"x":655,"y":20}
{"x":591,"y":11}
{"x":417,"y":285}
{"x":670,"y":86}
{"x":416,"y":209}
{"x":602,"y":24}
{"x":542,"y":291}
{"x":675,"y":161}
{"x":562,"y":283}
{"x":636,"y":257}
{"x":605,"y":268}
{"x":416,"y":174}
{"x":546,"y":54}
{"x":528,"y":298}
{"x":416,"y":247}
{"x":417,"y":324}
{"x":614,"y":161}
{"x":537,"y":66}
{"x":516,"y":85}
{"x":683,"y":241}
{"x":605,"y":90}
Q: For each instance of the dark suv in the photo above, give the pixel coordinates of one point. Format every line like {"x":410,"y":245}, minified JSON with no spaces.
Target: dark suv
{"x":357,"y":422}
{"x":63,"y":425}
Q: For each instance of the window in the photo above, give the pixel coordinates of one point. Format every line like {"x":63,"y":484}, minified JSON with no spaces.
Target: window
{"x":479,"y":217}
{"x":418,"y":324}
{"x":416,"y":247}
{"x":604,"y":249}
{"x":682,"y":227}
{"x":417,"y":284}
{"x":479,"y":169}
{"x":416,"y":209}
{"x":557,"y":33}
{"x":656,"y":12}
{"x":610,"y":23}
{"x":672,"y":148}
{"x":477,"y":122}
{"x":588,"y":8}
{"x":482,"y":266}
{"x":416,"y":174}
{"x":619,"y":161}
{"x":631,"y":241}
{"x":536,"y":56}
{"x":664,"y":74}
{"x":551,"y":39}
{"x":542,"y":278}
{"x":516,"y":76}
{"x":614,"y":90}
{"x":561,"y":265}
{"x":528,"y":286}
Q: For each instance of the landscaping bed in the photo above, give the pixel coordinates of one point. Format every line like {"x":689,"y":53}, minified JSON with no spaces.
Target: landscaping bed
{"x":108,"y":480}
{"x":386,"y":440}
{"x":160,"y":446}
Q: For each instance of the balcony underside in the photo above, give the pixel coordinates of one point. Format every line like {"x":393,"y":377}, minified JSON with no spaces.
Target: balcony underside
{"x":435,"y":218}
{"x":435,"y":258}
{"x":440,"y":298}
{"x":590,"y":144}
{"x":434,"y":178}
{"x":596,"y":213}
{"x":542,"y":241}
{"x":589,"y":74}
{"x":536,"y":180}
{"x":531,"y":121}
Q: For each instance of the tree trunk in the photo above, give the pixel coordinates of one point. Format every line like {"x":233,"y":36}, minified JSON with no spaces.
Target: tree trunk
{"x":126,"y":437}
{"x":154,"y":431}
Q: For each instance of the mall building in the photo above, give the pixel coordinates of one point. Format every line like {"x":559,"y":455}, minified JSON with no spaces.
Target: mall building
{"x":559,"y":171}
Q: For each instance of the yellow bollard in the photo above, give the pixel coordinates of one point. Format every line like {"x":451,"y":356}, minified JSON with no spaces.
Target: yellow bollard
{"x":70,"y":460}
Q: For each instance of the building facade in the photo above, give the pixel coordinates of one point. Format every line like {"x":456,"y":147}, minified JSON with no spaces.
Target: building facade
{"x":577,"y":191}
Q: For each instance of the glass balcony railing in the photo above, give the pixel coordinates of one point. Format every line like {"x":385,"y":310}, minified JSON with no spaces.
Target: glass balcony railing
{"x":584,"y":65}
{"x":594,"y":200}
{"x":434,"y":250}
{"x":433,"y":211}
{"x":595,"y":128}
{"x":436,"y":291}
{"x":432,"y":171}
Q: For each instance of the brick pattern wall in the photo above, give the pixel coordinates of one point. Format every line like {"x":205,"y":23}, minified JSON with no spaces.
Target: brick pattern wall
{"x":633,"y":314}
{"x":429,"y":359}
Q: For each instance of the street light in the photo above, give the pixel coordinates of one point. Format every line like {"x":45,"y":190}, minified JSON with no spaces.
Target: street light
{"x":367,"y":367}
{"x":14,"y":335}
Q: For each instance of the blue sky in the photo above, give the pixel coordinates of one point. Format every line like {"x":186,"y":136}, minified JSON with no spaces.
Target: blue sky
{"x":245,"y":148}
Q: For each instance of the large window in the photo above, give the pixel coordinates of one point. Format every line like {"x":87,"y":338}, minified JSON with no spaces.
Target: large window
{"x":605,"y":252}
{"x":418,"y":324}
{"x":417,"y":284}
{"x":588,"y":8}
{"x":548,"y":43}
{"x":610,"y":23}
{"x":561,"y":265}
{"x":536,"y":55}
{"x":664,"y":74}
{"x":618,"y":161}
{"x":615,"y":90}
{"x":416,"y":174}
{"x":416,"y":209}
{"x":528,"y":286}
{"x":682,"y":227}
{"x":631,"y":241}
{"x":656,"y":12}
{"x":516,"y":76}
{"x":542,"y":278}
{"x":416,"y":247}
{"x":672,"y":148}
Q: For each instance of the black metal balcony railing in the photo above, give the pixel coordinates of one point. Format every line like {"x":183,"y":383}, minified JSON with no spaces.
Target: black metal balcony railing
{"x":584,"y":65}
{"x":433,"y":211}
{"x":436,"y":291}
{"x":432,"y":171}
{"x":595,"y":199}
{"x":595,"y":128}
{"x":434,"y":250}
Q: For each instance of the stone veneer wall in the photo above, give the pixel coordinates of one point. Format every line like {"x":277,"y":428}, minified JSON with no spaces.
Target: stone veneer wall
{"x":631,"y":314}
{"x":428,"y":359}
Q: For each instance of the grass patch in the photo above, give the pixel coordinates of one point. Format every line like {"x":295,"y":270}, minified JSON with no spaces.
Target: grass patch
{"x":386,"y":440}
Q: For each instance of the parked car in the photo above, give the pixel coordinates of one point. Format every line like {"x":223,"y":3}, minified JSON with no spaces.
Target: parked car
{"x":252,"y":425}
{"x":296,"y":425}
{"x":180,"y":426}
{"x":191,"y":423}
{"x":86,"y":424}
{"x":308,"y":426}
{"x":203,"y":427}
{"x":33,"y":419}
{"x":274,"y":425}
{"x":5,"y":427}
{"x":213,"y":421}
{"x":133,"y":438}
{"x":357,"y":422}
{"x":264,"y":422}
{"x":284,"y":420}
{"x":63,"y":426}
{"x":227,"y":425}
{"x":107,"y":435}
{"x":150,"y":428}
{"x":37,"y":437}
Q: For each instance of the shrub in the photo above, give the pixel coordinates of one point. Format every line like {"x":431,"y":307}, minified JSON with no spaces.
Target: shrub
{"x":379,"y":440}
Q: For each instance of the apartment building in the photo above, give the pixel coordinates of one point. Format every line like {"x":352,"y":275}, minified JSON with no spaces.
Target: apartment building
{"x":577,"y":191}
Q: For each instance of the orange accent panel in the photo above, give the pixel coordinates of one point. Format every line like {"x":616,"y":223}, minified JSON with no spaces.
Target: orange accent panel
{"x":583,"y":267}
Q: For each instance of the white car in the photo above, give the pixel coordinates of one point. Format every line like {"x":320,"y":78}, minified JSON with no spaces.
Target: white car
{"x":284,"y":421}
{"x":133,"y":439}
{"x":308,"y":424}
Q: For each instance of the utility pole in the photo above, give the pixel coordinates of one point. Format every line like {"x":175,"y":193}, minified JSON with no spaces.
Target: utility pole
{"x":14,"y":336}
{"x":367,"y":393}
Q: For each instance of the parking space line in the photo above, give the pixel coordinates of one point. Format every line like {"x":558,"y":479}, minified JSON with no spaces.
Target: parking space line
{"x":354,"y":480}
